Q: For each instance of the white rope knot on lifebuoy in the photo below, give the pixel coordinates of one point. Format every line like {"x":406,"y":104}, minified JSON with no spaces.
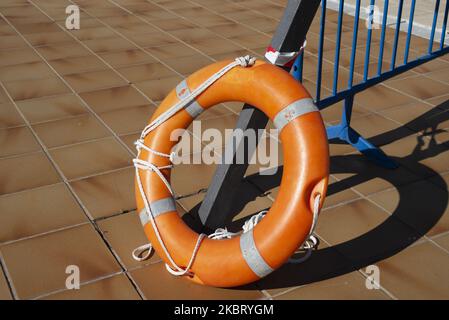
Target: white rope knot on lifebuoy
{"x":246,"y":61}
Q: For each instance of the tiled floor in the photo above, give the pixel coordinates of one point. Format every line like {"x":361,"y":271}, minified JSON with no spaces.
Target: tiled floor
{"x":69,"y":97}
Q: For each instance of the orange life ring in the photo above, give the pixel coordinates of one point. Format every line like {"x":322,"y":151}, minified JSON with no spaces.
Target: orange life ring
{"x":246,"y":258}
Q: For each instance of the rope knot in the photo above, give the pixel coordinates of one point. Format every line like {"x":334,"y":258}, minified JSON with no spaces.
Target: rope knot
{"x":246,"y":61}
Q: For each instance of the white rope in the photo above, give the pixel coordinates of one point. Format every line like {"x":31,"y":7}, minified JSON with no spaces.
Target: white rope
{"x":139,"y":164}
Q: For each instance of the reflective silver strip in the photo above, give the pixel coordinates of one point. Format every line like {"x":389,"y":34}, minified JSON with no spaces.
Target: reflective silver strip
{"x":193,"y":108}
{"x":293,"y":111}
{"x":158,"y":208}
{"x":252,"y":256}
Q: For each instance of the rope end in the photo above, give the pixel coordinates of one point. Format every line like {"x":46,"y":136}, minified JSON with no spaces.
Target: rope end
{"x":246,"y":61}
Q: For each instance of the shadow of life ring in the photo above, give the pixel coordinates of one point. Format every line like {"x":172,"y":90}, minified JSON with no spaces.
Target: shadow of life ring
{"x":251,"y":255}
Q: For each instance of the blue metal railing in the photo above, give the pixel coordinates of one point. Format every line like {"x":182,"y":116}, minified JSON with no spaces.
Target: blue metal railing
{"x":343,"y":130}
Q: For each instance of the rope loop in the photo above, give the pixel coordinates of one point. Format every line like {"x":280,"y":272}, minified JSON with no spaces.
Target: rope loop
{"x":246,"y":61}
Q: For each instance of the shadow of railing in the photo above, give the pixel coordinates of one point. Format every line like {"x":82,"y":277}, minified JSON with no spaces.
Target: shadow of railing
{"x":409,"y":221}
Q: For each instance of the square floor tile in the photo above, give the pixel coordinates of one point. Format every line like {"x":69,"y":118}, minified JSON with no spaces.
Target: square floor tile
{"x":88,"y":81}
{"x":113,"y":230}
{"x":51,"y":254}
{"x":66,"y":66}
{"x":25,"y":172}
{"x":126,"y":58}
{"x":5,"y":293}
{"x":16,"y":141}
{"x":109,"y":45}
{"x":25,"y":71}
{"x":107,"y":194}
{"x":175,"y":50}
{"x":113,"y":288}
{"x":156,"y":283}
{"x":63,"y":50}
{"x":9,"y":117}
{"x":350,"y":286}
{"x":381,"y":97}
{"x":17,"y":56}
{"x":410,"y":203}
{"x":188,"y":65}
{"x":37,"y":211}
{"x":136,"y":119}
{"x":420,"y":87}
{"x":52,"y":108}
{"x":72,"y":130}
{"x":418,"y":272}
{"x":90,"y":158}
{"x":29,"y":89}
{"x":157,"y":90}
{"x":149,"y":71}
{"x":114,"y":98}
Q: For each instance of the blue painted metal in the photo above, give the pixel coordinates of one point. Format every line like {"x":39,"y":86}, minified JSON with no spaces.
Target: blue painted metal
{"x":338,"y":46}
{"x":410,"y":29}
{"x":382,"y":38}
{"x":320,"y":49}
{"x":443,"y":32}
{"x":368,"y":40}
{"x":354,"y":43}
{"x":434,"y":25}
{"x":343,"y":130}
{"x":396,"y":35}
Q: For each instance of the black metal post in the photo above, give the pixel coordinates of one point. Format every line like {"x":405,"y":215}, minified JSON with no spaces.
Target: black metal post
{"x":289,"y":37}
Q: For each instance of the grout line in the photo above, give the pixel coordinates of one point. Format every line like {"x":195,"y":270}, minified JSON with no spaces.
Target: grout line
{"x":59,"y":171}
{"x":81,"y":284}
{"x":8,"y":278}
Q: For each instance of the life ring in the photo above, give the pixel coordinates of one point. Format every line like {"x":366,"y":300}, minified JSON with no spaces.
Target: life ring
{"x":254,"y":254}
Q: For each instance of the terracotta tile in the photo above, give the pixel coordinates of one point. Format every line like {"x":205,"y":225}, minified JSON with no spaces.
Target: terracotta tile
{"x":380,"y":97}
{"x":181,"y":178}
{"x":417,"y":213}
{"x":442,"y":240}
{"x":114,"y":99}
{"x":129,"y":140}
{"x":137,"y":118}
{"x":115,"y":227}
{"x":72,"y":65}
{"x":109,"y":45}
{"x":12,"y":42}
{"x":156,"y":90}
{"x":50,"y":255}
{"x":231,"y":30}
{"x":338,"y":192}
{"x":5,"y":293}
{"x":174,"y":24}
{"x":18,"y":56}
{"x":350,"y":286}
{"x":25,"y":71}
{"x":16,"y":141}
{"x":358,"y":172}
{"x":36,"y":211}
{"x":156,"y":283}
{"x":51,"y":108}
{"x":420,"y":154}
{"x":46,"y":39}
{"x":376,"y":127}
{"x":126,"y":58}
{"x":188,"y":65}
{"x":63,"y":50}
{"x":92,"y":33}
{"x":88,"y":81}
{"x":421,"y":87}
{"x":252,"y":41}
{"x":9,"y":117}
{"x":215,"y":46}
{"x":82,"y":159}
{"x":138,"y":27}
{"x":25,"y":172}
{"x":107,"y":194}
{"x":171,"y":51}
{"x":441,"y":181}
{"x":31,"y":28}
{"x":76,"y":129}
{"x":154,"y":39}
{"x":142,"y":72}
{"x":114,"y":288}
{"x":373,"y":234}
{"x":416,"y":273}
{"x":157,"y":15}
{"x":417,"y":116}
{"x":28,"y":89}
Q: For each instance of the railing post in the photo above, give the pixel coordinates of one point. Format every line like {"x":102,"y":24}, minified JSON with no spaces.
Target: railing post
{"x":289,"y":37}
